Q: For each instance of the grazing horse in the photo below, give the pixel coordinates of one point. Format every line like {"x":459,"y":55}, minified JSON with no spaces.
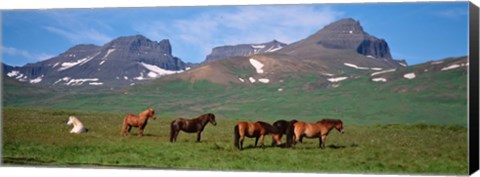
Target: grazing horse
{"x":191,"y":125}
{"x":139,"y":121}
{"x":77,"y":125}
{"x":319,"y":129}
{"x":256,"y":130}
{"x":282,"y":127}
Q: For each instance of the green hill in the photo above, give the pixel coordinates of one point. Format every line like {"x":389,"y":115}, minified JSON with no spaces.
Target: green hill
{"x":436,"y":97}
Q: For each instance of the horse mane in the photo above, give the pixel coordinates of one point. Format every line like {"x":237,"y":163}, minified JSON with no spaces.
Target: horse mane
{"x":144,"y":113}
{"x":207,"y":115}
{"x":330,"y":121}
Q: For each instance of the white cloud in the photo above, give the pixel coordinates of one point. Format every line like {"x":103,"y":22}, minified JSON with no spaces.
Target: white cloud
{"x":29,"y":56}
{"x":80,"y":36}
{"x":453,"y":13}
{"x":78,"y":26}
{"x":246,"y":24}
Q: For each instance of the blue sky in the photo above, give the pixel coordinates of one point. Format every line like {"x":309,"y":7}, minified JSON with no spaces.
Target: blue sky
{"x":417,"y":32}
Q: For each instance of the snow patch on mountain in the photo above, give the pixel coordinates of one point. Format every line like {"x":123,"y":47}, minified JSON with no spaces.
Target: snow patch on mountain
{"x":95,"y":83}
{"x":264,"y":80}
{"x":272,"y":49}
{"x":409,"y":75}
{"x":337,"y":79}
{"x":252,"y":80}
{"x":355,"y":66}
{"x":379,"y":79}
{"x":108,"y":53}
{"x":382,"y":72}
{"x":13,"y":73}
{"x":454,"y":66}
{"x":257,"y":65}
{"x":36,"y":80}
{"x":67,"y":65}
{"x":258,"y":46}
{"x":156,"y":71}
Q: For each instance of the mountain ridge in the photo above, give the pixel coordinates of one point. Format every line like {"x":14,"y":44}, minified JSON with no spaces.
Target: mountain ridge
{"x":121,"y":62}
{"x":222,"y":52}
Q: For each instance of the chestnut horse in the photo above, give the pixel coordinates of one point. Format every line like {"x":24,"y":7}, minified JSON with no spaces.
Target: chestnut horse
{"x":191,"y":125}
{"x":282,"y":127}
{"x":256,"y":130}
{"x":139,"y":121}
{"x":319,"y":129}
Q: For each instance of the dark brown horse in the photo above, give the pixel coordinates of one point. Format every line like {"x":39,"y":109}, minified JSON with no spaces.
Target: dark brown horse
{"x":318,"y":130}
{"x":256,"y":130}
{"x":139,"y":121}
{"x":282,"y":127}
{"x":191,"y":125}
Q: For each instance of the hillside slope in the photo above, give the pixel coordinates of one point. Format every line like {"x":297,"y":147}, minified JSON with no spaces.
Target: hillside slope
{"x":437,"y":97}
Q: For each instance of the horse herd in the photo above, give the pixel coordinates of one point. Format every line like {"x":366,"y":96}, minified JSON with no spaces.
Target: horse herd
{"x":294,"y":130}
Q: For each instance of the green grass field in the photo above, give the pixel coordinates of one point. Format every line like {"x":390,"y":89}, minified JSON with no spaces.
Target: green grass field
{"x":41,"y":137}
{"x":403,"y":126}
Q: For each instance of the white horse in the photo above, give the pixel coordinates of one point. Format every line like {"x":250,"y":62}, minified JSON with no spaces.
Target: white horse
{"x":77,"y":125}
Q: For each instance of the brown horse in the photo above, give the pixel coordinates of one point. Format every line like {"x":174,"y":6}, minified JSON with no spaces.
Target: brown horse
{"x":318,"y":130}
{"x":139,"y":121}
{"x":256,"y":130}
{"x":191,"y":125}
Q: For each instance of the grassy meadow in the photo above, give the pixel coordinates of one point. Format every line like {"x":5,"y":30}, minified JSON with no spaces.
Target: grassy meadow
{"x":41,"y":137}
{"x":416,"y":126}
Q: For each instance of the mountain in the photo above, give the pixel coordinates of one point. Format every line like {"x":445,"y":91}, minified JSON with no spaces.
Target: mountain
{"x":222,"y":52}
{"x":341,"y":49}
{"x":121,"y":62}
{"x":345,"y":38}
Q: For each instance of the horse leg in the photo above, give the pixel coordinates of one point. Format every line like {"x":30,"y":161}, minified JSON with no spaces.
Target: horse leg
{"x":176,"y":135}
{"x":324,"y":138}
{"x":276,"y":139}
{"x":256,"y":141}
{"x":173,"y":136}
{"x":140,"y":131}
{"x":199,"y":134}
{"x":320,"y":142}
{"x":241,"y":142}
{"x":262,"y":137}
{"x":129,"y":128}
{"x":297,"y":137}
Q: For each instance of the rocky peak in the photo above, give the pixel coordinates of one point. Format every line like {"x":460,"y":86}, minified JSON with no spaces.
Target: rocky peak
{"x":349,"y":34}
{"x":222,"y":52}
{"x":138,"y":43}
{"x":347,"y":25}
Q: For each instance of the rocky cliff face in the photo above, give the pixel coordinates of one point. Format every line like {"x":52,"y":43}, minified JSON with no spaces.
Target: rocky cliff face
{"x":222,"y":52}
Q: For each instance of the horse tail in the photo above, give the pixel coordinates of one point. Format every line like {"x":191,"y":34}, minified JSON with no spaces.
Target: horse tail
{"x":290,"y":132}
{"x":236,"y":136}
{"x":172,"y":130}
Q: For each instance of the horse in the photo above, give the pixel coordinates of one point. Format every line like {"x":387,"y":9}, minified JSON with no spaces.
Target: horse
{"x":319,"y":129}
{"x":256,"y":130}
{"x":77,"y":125}
{"x":139,"y":121}
{"x":195,"y":125}
{"x":282,"y":127}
